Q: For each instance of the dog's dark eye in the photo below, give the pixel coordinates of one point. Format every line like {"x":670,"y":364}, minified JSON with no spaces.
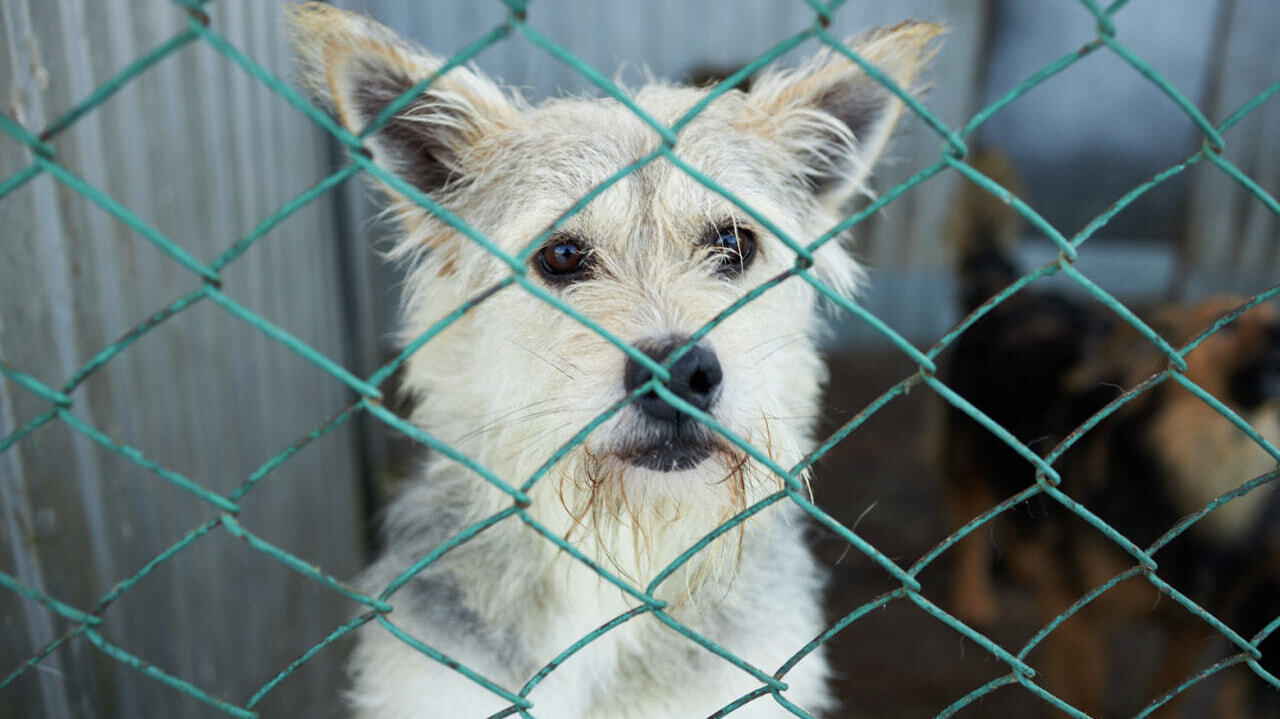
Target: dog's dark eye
{"x":563,"y":260}
{"x":734,"y":246}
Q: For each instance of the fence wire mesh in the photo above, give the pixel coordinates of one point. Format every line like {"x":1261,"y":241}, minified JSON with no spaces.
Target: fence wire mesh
{"x":85,"y":623}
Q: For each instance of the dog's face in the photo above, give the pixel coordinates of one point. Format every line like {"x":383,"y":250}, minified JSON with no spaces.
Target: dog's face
{"x":1201,"y":453}
{"x":1206,"y":454}
{"x":1240,"y":363}
{"x":651,"y":259}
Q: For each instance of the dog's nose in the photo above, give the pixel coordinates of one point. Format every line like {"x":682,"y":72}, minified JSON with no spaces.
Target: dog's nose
{"x":695,"y":377}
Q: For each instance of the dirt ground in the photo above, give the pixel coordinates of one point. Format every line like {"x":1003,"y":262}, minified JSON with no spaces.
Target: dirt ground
{"x":900,"y":662}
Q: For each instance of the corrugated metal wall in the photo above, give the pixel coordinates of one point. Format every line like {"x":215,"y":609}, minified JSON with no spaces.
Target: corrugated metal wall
{"x":202,"y":152}
{"x":1232,"y":240}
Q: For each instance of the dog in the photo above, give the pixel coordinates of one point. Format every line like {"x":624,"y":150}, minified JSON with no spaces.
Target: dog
{"x":1041,"y":364}
{"x":651,"y":259}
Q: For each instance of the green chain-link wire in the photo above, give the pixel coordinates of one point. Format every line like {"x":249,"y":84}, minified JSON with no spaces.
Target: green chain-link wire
{"x":952,"y":155}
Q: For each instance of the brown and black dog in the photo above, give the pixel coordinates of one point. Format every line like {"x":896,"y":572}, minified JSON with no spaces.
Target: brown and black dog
{"x":1042,"y":364}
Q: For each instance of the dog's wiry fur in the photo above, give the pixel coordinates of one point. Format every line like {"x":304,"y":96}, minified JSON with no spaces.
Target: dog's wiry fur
{"x":514,"y":379}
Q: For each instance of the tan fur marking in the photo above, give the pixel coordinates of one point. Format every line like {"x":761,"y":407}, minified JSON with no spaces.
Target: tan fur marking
{"x":1207,"y":455}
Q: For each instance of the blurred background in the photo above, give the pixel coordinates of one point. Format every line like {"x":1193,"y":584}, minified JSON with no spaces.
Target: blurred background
{"x":203,"y":152}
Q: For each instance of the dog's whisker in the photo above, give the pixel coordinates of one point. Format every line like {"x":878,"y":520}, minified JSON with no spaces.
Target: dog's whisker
{"x":558,"y":367}
{"x":564,"y":361}
{"x":474,"y":419}
{"x":806,"y":417}
{"x":511,"y":420}
{"x":795,"y":340}
{"x":784,"y":339}
{"x":519,"y":447}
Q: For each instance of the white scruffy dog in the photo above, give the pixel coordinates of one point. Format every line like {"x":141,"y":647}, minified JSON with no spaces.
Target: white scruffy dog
{"x":651,"y":260}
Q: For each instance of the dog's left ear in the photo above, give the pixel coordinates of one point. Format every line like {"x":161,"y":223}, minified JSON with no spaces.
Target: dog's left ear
{"x":358,"y":68}
{"x":833,"y":115}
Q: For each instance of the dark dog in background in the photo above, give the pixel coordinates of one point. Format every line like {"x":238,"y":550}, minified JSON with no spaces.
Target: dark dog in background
{"x":1041,"y":364}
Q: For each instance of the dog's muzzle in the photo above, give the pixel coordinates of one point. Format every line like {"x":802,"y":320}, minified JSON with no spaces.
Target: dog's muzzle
{"x":674,"y":441}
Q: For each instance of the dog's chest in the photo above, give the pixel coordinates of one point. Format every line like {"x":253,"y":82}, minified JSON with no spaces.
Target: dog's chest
{"x":647,"y":668}
{"x":651,"y":666}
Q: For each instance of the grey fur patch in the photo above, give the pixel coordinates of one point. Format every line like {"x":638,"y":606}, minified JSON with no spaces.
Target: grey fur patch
{"x":435,"y":600}
{"x":862,"y":108}
{"x":420,"y":150}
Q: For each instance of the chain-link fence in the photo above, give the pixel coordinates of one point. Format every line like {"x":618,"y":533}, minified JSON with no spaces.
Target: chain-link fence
{"x":85,"y":623}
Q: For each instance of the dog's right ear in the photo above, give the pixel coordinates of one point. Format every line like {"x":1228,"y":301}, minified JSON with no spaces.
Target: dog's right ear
{"x":834,"y":116}
{"x":357,"y":67}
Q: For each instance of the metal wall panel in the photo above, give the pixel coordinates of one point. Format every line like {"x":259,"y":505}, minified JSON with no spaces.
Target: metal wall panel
{"x":1232,"y":240}
{"x":202,"y":152}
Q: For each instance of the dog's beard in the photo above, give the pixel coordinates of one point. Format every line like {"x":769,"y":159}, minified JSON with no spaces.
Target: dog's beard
{"x":636,"y":519}
{"x":681,"y":446}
